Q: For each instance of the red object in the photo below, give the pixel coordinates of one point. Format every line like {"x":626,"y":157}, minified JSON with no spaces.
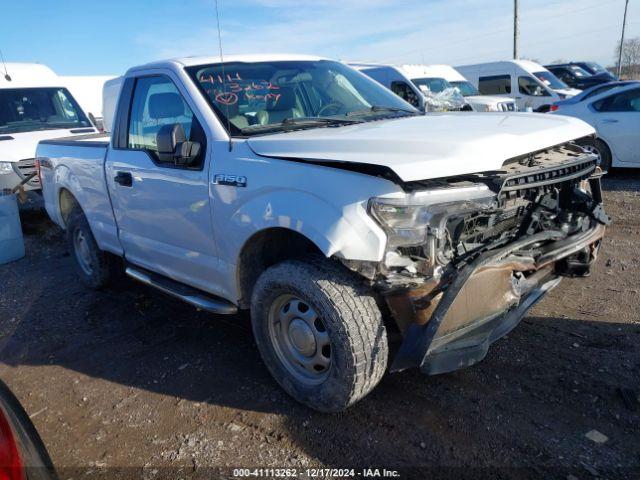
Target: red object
{"x":10,"y":462}
{"x":554,"y":108}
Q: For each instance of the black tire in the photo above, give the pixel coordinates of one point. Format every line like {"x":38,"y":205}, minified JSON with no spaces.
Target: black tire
{"x":103,"y":266}
{"x":601,"y":149}
{"x":349,"y":313}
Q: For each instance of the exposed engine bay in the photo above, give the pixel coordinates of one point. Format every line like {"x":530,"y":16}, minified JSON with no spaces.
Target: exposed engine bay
{"x":467,"y":256}
{"x":547,"y":191}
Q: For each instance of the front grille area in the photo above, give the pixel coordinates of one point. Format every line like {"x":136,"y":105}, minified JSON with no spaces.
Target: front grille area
{"x":26,"y":167}
{"x":540,"y":180}
{"x":507,"y":107}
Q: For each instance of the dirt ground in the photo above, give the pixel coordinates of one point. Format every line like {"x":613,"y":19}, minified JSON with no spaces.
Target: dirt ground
{"x":128,"y":377}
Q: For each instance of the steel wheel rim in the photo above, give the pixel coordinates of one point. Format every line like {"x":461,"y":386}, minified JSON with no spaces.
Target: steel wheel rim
{"x":300,"y":339}
{"x":83,"y":254}
{"x":593,"y":149}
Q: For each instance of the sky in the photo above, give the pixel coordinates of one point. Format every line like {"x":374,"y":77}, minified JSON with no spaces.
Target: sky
{"x":80,"y":37}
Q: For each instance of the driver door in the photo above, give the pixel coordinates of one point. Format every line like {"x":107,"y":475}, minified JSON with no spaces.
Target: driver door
{"x":161,"y":207}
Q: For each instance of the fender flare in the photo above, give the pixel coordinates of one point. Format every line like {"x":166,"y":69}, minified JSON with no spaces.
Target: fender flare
{"x":347,"y":233}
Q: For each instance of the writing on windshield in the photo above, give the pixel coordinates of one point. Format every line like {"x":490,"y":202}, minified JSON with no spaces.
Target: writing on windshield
{"x":255,"y":97}
{"x":227,"y":90}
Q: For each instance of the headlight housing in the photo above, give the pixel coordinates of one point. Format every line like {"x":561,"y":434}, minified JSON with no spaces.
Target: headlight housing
{"x":6,"y":168}
{"x":410,"y":218}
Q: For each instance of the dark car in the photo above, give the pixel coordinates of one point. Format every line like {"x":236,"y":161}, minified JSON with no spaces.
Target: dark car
{"x":576,"y":76}
{"x":596,"y":69}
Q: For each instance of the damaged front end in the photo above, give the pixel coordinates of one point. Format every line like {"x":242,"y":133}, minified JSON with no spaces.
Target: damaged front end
{"x":468,"y":256}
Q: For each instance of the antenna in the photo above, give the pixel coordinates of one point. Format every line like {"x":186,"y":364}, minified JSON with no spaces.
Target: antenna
{"x":224,"y":77}
{"x":7,"y":77}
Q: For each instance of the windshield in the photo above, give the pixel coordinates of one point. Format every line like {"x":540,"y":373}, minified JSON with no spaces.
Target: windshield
{"x":255,"y":97}
{"x":595,"y":67}
{"x":550,"y":80}
{"x":433,"y":85}
{"x":31,"y":109}
{"x":466,"y":88}
{"x":579,"y":72}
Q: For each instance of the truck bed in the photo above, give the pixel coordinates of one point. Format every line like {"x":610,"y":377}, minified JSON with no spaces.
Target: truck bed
{"x":89,"y":140}
{"x":73,"y":168}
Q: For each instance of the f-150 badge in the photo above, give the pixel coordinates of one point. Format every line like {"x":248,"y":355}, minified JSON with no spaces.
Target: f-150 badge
{"x":231,"y":180}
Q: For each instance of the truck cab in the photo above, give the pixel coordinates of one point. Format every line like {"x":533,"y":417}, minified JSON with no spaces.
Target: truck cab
{"x":34,"y":105}
{"x":303,"y":191}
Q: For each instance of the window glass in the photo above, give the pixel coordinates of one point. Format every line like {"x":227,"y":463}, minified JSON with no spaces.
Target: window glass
{"x":599,"y":90}
{"x":595,"y":67}
{"x":550,"y":80}
{"x":31,"y":109}
{"x":579,"y":72}
{"x":254,"y":97}
{"x":157,"y":102}
{"x":433,"y":85}
{"x":404,"y":91}
{"x":628,"y":101}
{"x":466,"y":88}
{"x":563,"y":74}
{"x":529,"y":86}
{"x":495,"y":85}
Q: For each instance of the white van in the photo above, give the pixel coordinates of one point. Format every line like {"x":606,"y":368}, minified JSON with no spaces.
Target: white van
{"x":87,"y":90}
{"x":426,"y":94}
{"x":478,"y":101}
{"x":531,"y":85}
{"x":34,"y":106}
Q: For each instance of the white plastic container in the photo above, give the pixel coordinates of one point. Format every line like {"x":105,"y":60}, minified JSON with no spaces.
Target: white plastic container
{"x":11,"y":241}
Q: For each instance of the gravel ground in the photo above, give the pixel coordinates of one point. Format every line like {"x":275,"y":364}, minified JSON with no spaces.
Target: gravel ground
{"x":128,"y":377}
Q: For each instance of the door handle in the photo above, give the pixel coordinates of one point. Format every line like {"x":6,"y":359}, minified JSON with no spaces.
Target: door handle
{"x":609,"y":120}
{"x":124,"y":178}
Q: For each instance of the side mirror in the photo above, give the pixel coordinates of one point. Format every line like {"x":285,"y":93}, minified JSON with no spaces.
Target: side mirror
{"x":173,"y":146}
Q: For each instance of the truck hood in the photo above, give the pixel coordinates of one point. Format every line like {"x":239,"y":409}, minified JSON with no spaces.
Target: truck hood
{"x":427,"y":146}
{"x":19,"y":146}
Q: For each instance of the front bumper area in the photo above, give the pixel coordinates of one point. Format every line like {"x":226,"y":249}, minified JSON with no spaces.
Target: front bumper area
{"x":449,"y":328}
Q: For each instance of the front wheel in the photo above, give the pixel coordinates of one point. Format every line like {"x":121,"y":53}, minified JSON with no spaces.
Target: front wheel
{"x":320,"y":332}
{"x":600,"y":149}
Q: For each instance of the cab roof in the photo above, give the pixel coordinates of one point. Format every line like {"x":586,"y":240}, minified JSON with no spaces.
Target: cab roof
{"x":204,"y":60}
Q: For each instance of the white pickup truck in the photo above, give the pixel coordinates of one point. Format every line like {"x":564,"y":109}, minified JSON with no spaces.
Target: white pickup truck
{"x":300,"y":189}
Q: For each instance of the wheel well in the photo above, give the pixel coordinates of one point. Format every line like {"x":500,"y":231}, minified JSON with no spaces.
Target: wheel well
{"x":264,"y":249}
{"x":606,"y":145}
{"x":67,"y":203}
{"x":595,"y":140}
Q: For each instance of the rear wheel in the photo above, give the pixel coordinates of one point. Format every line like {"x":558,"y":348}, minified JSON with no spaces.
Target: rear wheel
{"x":94,"y":266}
{"x":320,"y":333}
{"x":599,"y":148}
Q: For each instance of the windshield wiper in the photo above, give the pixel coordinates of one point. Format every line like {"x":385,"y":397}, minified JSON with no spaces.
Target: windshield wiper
{"x":380,"y":108}
{"x":300,"y":122}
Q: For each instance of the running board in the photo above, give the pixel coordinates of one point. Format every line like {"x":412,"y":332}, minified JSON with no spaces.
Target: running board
{"x":183,"y":292}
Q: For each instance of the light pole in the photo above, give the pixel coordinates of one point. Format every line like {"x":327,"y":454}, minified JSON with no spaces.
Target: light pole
{"x":624,"y":24}
{"x":516,"y":30}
